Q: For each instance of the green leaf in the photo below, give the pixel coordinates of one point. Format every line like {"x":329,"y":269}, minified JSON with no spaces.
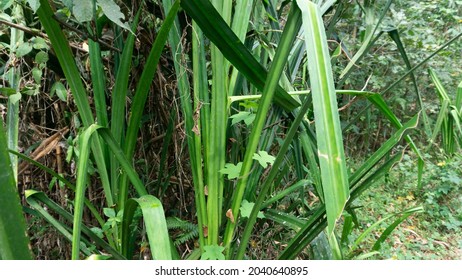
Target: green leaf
{"x":7,"y":91}
{"x":23,"y":49}
{"x":213,"y":252}
{"x":245,"y":116}
{"x":5,"y":4}
{"x":83,"y":10}
{"x":246,"y":209}
{"x":41,"y":57}
{"x":15,"y":97}
{"x":156,"y":226}
{"x":37,"y":75}
{"x":34,"y":4}
{"x":331,"y":154}
{"x":39,"y":43}
{"x":218,"y":31}
{"x":263,"y":158}
{"x":97,"y":231}
{"x":13,"y":239}
{"x":112,"y":11}
{"x":232,"y":170}
{"x":60,"y":91}
{"x":109,"y":212}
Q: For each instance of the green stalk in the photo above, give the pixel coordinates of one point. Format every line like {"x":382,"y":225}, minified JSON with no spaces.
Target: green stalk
{"x":201,"y":115}
{"x":14,"y":74}
{"x":81,"y":186}
{"x":190,"y":117}
{"x":82,"y":175}
{"x":269,"y":180}
{"x":118,"y":113}
{"x":282,"y":52}
{"x":217,"y":139}
{"x":98,"y":78}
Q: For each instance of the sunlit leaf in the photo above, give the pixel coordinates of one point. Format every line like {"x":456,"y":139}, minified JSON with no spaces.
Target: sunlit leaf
{"x":232,"y":170}
{"x":263,"y":158}
{"x":213,"y":252}
{"x":246,"y":209}
{"x":245,"y":116}
{"x":331,"y":155}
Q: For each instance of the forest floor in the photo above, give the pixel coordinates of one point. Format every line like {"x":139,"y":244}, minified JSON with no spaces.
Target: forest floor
{"x":435,"y":233}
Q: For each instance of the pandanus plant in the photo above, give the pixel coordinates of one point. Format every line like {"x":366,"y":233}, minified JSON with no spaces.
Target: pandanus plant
{"x":240,"y":69}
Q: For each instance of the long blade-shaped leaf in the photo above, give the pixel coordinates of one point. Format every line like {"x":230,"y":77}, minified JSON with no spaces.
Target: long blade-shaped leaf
{"x":216,"y":29}
{"x":271,"y":176}
{"x":66,"y":60}
{"x":459,"y":98}
{"x":142,"y":91}
{"x":282,"y":52}
{"x":394,"y":34}
{"x":318,"y":222}
{"x":403,"y":215}
{"x":81,"y":186}
{"x":391,"y":227}
{"x":14,"y":244}
{"x":156,"y":226}
{"x":63,"y":180}
{"x":119,"y":95}
{"x":82,"y":177}
{"x":331,"y":155}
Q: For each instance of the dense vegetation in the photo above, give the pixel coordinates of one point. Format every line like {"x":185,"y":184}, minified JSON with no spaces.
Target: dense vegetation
{"x":210,"y":129}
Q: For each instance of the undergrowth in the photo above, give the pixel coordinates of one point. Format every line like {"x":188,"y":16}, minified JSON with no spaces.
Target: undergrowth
{"x":435,"y":233}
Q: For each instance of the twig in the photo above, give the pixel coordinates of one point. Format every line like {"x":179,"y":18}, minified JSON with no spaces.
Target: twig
{"x":45,"y":36}
{"x":24,"y":28}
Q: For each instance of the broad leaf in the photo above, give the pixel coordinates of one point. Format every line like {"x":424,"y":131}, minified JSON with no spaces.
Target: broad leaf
{"x":112,"y":11}
{"x":263,"y":158}
{"x":245,"y":116}
{"x":83,"y":10}
{"x":232,"y":170}
{"x":34,"y":4}
{"x":213,"y":252}
{"x":246,"y":209}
